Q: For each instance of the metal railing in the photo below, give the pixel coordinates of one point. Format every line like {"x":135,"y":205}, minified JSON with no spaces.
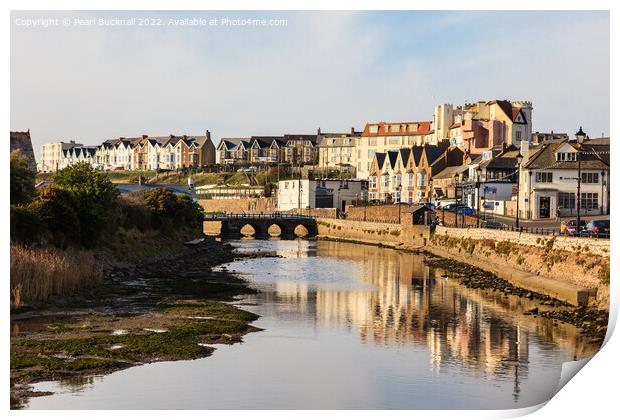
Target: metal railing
{"x":262,"y":216}
{"x":527,"y":229}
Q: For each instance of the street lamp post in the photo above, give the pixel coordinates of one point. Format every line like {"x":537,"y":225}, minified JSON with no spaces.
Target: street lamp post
{"x":519,"y":160}
{"x":478,"y":179}
{"x":399,"y":188}
{"x":456,"y":201}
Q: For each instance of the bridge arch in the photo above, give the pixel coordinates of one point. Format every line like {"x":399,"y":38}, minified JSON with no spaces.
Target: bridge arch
{"x":264,"y":226}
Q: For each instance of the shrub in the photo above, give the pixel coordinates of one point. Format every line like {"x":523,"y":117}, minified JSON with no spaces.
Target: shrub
{"x":25,"y":225}
{"x":22,"y":179}
{"x":171,"y":211}
{"x":603,"y":273}
{"x":58,"y":212}
{"x":95,"y":194}
{"x":133,"y":214}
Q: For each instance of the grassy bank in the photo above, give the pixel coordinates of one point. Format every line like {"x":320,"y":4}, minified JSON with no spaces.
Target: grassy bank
{"x":37,"y":274}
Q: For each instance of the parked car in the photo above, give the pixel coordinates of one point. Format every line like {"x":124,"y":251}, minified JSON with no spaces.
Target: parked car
{"x":425,"y":204}
{"x":570,"y":227}
{"x":597,"y":228}
{"x":459,"y":208}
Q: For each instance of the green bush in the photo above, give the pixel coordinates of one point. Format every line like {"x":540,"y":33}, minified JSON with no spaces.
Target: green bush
{"x":133,"y":213}
{"x":171,"y":211}
{"x":58,"y":212}
{"x":96,"y":195}
{"x":22,"y":179}
{"x":25,"y":225}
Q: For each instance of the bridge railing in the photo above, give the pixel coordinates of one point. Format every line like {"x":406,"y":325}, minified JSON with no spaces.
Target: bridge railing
{"x":254,"y":216}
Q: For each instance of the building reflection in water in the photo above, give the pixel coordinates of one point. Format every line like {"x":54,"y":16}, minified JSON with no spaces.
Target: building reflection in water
{"x":407,"y":303}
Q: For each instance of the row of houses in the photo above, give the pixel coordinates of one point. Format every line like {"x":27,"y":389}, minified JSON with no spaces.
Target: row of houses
{"x":293,"y":149}
{"x":132,"y":153}
{"x":542,"y":176}
{"x":472,"y":127}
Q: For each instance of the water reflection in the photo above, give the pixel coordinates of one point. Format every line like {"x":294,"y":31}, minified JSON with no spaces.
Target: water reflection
{"x":411,"y":304}
{"x":354,"y":326}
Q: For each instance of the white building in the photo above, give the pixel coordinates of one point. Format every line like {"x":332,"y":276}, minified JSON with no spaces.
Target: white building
{"x":53,"y":155}
{"x":548,"y":179}
{"x":324,"y":193}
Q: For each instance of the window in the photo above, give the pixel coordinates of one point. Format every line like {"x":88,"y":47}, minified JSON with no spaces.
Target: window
{"x":589,"y":177}
{"x":518,"y":134}
{"x":386,"y":181}
{"x":544,"y":176}
{"x":566,"y":157}
{"x":373,"y":182}
{"x":589,"y":201}
{"x":566,"y":200}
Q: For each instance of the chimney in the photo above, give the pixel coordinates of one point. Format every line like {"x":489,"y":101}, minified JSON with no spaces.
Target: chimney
{"x":525,"y":150}
{"x":145,"y":136}
{"x":318,"y":131}
{"x":352,"y":130}
{"x":208,"y":135}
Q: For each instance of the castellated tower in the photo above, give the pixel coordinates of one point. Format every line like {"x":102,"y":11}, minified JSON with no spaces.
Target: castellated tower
{"x":526,"y":108}
{"x":442,"y":120}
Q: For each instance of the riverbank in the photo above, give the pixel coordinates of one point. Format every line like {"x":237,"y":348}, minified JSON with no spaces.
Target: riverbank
{"x":572,"y":289}
{"x":164,"y":308}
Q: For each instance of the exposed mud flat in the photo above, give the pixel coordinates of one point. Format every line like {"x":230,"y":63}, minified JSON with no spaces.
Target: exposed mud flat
{"x":171,"y":309}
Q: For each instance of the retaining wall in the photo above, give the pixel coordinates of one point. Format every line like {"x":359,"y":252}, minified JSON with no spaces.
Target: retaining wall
{"x":595,"y":246}
{"x":405,"y":235}
{"x":385,"y":213}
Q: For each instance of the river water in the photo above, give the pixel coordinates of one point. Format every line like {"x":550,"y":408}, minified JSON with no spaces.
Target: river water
{"x":349,"y":326}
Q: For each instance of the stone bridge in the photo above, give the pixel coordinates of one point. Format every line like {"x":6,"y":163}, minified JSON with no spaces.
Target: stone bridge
{"x":231,"y":224}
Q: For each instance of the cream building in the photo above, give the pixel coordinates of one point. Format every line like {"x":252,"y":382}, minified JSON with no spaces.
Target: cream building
{"x":339,"y":151}
{"x":385,"y":137}
{"x":53,"y":157}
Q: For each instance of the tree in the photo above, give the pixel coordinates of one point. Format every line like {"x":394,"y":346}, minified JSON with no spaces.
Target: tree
{"x":22,"y":179}
{"x":58,"y":212}
{"x":173,"y":212}
{"x":26,"y":226}
{"x":96,"y":196}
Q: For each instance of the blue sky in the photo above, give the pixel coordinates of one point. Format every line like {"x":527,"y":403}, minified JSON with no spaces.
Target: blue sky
{"x":332,"y":70}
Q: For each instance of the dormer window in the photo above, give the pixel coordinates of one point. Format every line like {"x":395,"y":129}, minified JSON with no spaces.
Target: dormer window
{"x":566,"y":157}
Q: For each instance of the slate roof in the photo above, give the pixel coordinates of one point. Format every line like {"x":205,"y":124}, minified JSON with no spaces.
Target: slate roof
{"x":417,"y":151}
{"x":266,"y":141}
{"x":380,"y":159}
{"x":594,"y":156}
{"x":449,"y":171}
{"x":433,"y":152}
{"x":393,"y":157}
{"x":405,"y":155}
{"x":232,"y":142}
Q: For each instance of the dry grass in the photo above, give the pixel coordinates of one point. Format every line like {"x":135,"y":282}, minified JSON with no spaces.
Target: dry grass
{"x":39,"y":273}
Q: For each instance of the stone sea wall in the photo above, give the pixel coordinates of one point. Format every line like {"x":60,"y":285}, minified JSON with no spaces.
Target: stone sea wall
{"x":595,"y":246}
{"x":404,"y":235}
